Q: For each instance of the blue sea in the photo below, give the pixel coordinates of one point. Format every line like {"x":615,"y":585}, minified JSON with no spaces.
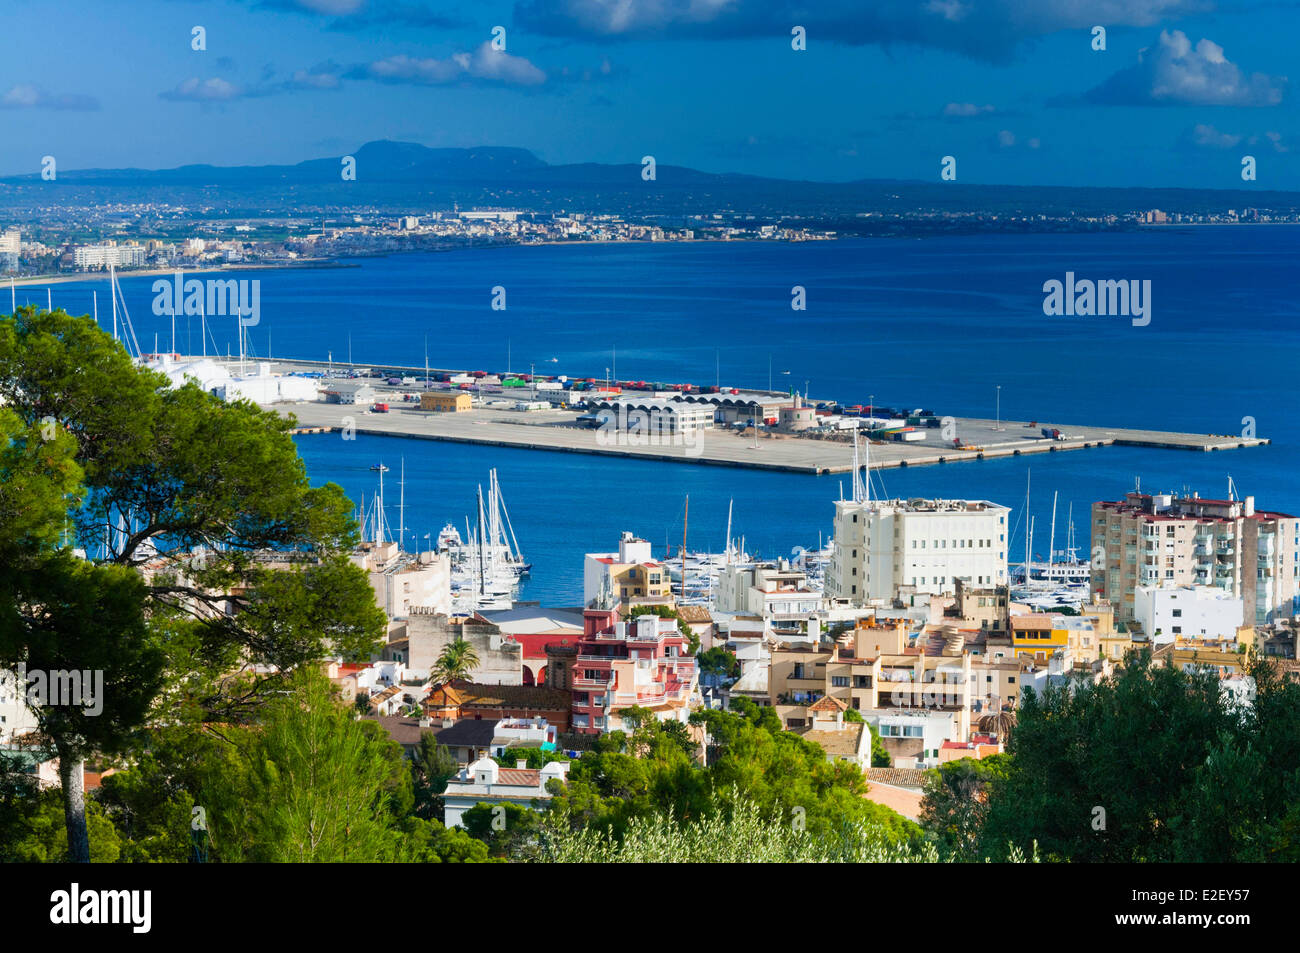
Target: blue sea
{"x":937,"y":323}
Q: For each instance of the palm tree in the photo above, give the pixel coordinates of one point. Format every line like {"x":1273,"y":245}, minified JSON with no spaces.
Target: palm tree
{"x":457,"y":660}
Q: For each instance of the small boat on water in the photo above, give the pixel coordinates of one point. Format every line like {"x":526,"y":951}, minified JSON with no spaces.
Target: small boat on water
{"x":379,"y":468}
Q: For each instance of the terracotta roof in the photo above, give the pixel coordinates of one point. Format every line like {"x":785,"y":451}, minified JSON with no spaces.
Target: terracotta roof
{"x":523,"y":777}
{"x":444,"y":696}
{"x":827,"y":703}
{"x":514,"y":696}
{"x":899,"y":777}
{"x":842,"y":743}
{"x":694,"y":614}
{"x":905,"y":802}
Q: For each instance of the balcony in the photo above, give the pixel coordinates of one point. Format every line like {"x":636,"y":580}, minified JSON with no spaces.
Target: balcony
{"x":593,"y":682}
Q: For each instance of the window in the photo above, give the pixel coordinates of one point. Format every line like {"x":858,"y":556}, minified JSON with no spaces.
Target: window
{"x":840,"y":681}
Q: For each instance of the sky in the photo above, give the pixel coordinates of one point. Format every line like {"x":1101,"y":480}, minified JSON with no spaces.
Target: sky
{"x":1014,"y":90}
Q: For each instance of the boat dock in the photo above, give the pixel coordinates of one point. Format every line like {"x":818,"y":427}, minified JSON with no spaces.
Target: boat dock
{"x":557,"y":429}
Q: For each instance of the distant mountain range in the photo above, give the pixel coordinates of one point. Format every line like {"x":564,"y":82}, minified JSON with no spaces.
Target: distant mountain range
{"x":408,"y":176}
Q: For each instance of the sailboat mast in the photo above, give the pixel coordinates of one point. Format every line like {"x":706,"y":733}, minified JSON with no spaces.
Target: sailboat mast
{"x":401,"y":509}
{"x":516,"y":553}
{"x":1030,"y":544}
{"x":1051,"y":546}
{"x":686,"y":515}
{"x":1069,"y":539}
{"x":1028,"y":533}
{"x":482,"y":577}
{"x":379,"y":510}
{"x":730,"y":504}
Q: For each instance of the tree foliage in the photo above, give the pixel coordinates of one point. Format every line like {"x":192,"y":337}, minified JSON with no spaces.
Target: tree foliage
{"x":1154,"y":764}
{"x":135,"y":521}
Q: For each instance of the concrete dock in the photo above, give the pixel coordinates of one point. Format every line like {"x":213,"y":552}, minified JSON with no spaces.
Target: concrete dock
{"x":554,"y":430}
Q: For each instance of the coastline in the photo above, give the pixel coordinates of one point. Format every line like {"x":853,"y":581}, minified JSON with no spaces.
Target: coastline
{"x":72,"y":277}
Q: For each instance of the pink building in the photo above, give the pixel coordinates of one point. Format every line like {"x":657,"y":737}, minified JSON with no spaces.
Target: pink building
{"x":645,"y":662}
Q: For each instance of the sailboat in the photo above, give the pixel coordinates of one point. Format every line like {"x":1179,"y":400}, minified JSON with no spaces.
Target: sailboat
{"x":487,"y":563}
{"x":1055,"y":581}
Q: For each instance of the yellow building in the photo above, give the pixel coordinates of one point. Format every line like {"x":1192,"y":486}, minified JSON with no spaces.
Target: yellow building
{"x":446,"y":402}
{"x":1036,"y":635}
{"x":630,"y":577}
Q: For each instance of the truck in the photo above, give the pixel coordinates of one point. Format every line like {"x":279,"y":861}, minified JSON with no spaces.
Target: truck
{"x":1051,"y":433}
{"x":380,"y":408}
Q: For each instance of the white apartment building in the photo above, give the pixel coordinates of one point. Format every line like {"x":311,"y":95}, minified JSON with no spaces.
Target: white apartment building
{"x":881,"y":545}
{"x":10,"y":241}
{"x":773,"y":592}
{"x":524,"y":733}
{"x":486,"y":782}
{"x":1187,"y":612}
{"x":86,"y":257}
{"x":403,"y":582}
{"x":1161,"y":541}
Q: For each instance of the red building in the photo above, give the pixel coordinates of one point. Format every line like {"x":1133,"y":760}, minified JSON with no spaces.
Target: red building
{"x":645,"y":662}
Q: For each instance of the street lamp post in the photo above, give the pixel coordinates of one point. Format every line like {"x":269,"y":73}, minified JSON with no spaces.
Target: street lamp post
{"x":998,"y":426}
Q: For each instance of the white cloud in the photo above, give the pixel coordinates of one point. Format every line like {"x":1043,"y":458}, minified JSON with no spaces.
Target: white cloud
{"x":1208,"y":137}
{"x":27,"y":96}
{"x":981,"y":29}
{"x":215,"y":90}
{"x":483,"y":64}
{"x":1176,"y":72}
